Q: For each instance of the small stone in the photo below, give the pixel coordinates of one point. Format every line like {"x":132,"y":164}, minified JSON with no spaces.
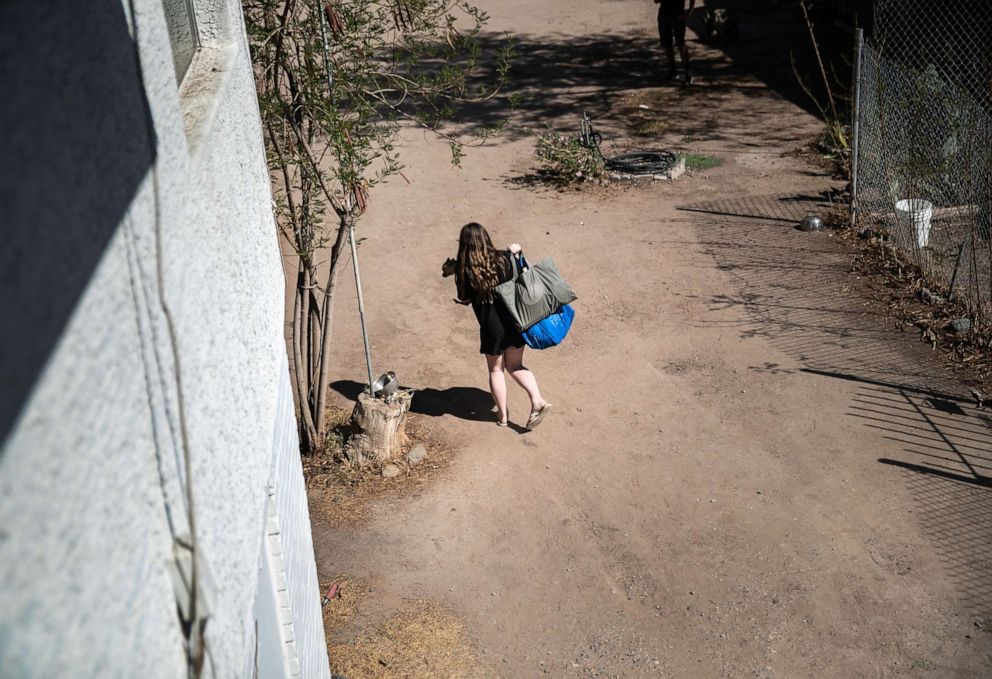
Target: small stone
{"x":961,"y":325}
{"x":416,"y":455}
{"x":930,"y":297}
{"x":389,"y":471}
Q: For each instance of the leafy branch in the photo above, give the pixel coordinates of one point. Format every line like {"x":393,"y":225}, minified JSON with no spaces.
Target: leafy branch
{"x":336,"y":81}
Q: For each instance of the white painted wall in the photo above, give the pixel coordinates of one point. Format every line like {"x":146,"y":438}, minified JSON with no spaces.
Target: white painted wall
{"x":123,"y":195}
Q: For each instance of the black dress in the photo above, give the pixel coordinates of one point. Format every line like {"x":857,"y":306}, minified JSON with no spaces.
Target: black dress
{"x":497,"y":329}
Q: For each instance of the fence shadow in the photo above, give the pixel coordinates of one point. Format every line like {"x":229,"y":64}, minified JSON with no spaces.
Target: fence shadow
{"x":795,"y":292}
{"x":946,"y":462}
{"x":556,"y":77}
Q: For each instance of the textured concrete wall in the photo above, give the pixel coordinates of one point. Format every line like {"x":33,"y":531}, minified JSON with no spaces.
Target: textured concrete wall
{"x":126,"y":195}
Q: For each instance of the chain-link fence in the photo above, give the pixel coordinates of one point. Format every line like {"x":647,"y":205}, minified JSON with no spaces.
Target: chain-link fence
{"x":923,"y":141}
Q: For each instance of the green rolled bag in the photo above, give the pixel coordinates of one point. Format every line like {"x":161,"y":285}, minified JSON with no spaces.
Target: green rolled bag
{"x":534,"y":293}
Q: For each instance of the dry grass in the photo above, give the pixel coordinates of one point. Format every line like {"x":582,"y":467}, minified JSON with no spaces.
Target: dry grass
{"x":340,"y":495}
{"x":643,"y":116}
{"x":422,"y":640}
{"x":896,"y":288}
{"x":341,"y":610}
{"x":647,"y":126}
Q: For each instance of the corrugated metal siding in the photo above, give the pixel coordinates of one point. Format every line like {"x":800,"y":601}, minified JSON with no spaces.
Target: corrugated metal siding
{"x":297,"y":544}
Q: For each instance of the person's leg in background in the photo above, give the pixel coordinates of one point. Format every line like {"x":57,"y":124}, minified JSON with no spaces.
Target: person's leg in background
{"x":667,"y":38}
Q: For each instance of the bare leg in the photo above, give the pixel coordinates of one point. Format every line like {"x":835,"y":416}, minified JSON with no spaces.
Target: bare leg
{"x":670,"y":54}
{"x":665,"y":38}
{"x":684,"y":54}
{"x":497,"y":384}
{"x":514,"y":360}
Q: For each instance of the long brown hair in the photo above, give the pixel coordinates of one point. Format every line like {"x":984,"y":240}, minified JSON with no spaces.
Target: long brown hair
{"x":478,"y":264}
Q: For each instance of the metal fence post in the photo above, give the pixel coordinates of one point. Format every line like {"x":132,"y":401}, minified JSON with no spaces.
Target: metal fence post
{"x":855,"y":126}
{"x":361,"y":302}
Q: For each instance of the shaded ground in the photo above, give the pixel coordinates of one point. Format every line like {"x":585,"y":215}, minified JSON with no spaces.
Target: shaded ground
{"x":746,"y":474}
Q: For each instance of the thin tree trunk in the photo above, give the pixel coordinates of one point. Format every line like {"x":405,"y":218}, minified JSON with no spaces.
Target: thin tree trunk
{"x":315,"y":333}
{"x":819,"y":60}
{"x":314,"y":336}
{"x":308,"y":432}
{"x":302,"y":340}
{"x":325,"y":350}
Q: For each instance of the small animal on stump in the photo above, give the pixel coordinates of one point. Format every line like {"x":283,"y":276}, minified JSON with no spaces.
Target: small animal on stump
{"x":721,"y":27}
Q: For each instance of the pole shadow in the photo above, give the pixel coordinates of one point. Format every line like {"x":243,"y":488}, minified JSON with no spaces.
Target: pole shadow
{"x":465,"y":403}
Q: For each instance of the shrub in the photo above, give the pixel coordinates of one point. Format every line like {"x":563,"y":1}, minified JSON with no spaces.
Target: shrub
{"x":565,"y":159}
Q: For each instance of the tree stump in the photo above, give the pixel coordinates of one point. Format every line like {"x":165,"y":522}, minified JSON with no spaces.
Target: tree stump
{"x":378,"y":428}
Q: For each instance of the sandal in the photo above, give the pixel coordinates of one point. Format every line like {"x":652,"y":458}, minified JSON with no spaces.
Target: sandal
{"x":506,"y":422}
{"x":537,"y":416}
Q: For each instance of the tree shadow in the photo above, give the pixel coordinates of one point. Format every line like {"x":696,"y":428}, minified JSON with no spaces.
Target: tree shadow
{"x":78,"y":140}
{"x":775,"y":46}
{"x":556,"y":77}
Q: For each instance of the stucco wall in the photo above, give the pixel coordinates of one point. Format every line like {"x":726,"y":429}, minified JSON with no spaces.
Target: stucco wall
{"x":126,"y":195}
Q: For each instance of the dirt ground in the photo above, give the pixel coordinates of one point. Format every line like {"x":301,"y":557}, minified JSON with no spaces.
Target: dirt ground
{"x":746,"y":473}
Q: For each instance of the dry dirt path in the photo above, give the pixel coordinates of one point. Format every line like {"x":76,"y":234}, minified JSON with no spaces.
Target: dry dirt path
{"x":745,"y":475}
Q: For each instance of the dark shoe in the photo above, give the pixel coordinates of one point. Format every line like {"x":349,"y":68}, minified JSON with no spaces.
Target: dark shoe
{"x":668,"y":78}
{"x":687,"y":80}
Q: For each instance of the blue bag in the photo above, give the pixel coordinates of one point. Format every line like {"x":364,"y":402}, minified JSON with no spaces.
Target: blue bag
{"x":551,"y":330}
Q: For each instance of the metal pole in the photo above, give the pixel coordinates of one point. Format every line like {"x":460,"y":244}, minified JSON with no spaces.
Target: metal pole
{"x":361,"y":302}
{"x":957,"y":268}
{"x":856,"y":124}
{"x":351,"y":222}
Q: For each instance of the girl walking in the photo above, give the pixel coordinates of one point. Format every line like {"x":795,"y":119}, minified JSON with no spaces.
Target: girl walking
{"x":479,"y":269}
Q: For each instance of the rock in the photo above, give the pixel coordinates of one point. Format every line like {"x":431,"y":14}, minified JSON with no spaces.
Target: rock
{"x":961,"y":325}
{"x":416,"y":455}
{"x":930,"y":297}
{"x":389,"y":471}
